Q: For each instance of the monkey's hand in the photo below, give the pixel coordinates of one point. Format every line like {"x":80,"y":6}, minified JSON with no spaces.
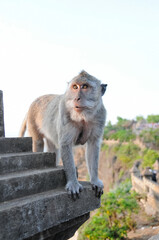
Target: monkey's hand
{"x":74,"y":189}
{"x":97,"y":186}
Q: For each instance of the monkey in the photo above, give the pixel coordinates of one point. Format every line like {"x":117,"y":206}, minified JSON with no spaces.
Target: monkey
{"x":76,"y":117}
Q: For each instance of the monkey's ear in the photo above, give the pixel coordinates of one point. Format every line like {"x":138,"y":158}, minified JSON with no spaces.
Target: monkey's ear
{"x":103,"y":88}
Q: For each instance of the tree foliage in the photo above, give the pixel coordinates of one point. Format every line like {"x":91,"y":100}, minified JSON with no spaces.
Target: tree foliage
{"x":122,"y":131}
{"x":119,"y":131}
{"x":153,"y":118}
{"x":121,"y":121}
{"x":139,"y":118}
{"x":114,"y":218}
{"x":149,"y":158}
{"x":127,"y":153}
{"x":150,"y":136}
{"x":123,"y":135}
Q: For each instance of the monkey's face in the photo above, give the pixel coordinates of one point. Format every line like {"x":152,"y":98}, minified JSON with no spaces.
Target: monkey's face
{"x":83,"y":95}
{"x":80,"y":93}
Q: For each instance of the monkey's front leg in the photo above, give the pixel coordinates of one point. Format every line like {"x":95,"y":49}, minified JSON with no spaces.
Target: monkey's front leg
{"x":73,"y":187}
{"x":92,"y":156}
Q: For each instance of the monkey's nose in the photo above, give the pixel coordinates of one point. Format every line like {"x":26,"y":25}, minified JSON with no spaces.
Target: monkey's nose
{"x":77,"y":99}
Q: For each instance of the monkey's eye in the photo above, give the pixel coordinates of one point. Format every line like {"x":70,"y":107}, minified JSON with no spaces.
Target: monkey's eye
{"x":75,"y":86}
{"x":84,"y":86}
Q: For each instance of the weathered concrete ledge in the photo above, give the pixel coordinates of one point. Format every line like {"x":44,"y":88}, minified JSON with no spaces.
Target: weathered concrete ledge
{"x":14,"y":162}
{"x":28,"y":216}
{"x":15,"y":145}
{"x":62,"y":231}
{"x":19,"y":184}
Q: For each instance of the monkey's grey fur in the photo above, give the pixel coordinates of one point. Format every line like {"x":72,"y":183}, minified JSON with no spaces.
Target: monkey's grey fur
{"x":76,"y":117}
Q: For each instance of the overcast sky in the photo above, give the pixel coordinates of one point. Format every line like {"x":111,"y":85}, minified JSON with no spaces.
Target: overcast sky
{"x":44,"y":44}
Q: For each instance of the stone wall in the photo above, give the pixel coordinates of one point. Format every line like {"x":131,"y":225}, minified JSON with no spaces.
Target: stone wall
{"x":150,"y":191}
{"x":1,"y":115}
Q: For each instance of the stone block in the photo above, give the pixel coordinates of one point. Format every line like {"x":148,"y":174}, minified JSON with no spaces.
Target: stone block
{"x":63,"y":231}
{"x":24,"y":161}
{"x":15,"y":145}
{"x":23,"y":183}
{"x":28,"y":216}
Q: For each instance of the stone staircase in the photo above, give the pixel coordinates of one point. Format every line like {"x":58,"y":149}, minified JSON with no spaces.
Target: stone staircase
{"x":33,"y":201}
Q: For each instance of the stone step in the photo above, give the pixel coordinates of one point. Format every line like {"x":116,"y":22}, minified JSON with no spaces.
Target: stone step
{"x":15,"y":145}
{"x":26,"y":217}
{"x":16,"y":185}
{"x":14,"y":162}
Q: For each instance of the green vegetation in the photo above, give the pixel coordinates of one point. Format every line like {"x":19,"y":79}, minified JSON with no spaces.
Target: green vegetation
{"x":120,"y":131}
{"x":127,"y":153}
{"x":122,"y":122}
{"x":104,"y":147}
{"x":149,"y":158}
{"x":114,"y":218}
{"x":123,"y":135}
{"x":123,"y":132}
{"x":150,"y":118}
{"x":150,"y":136}
{"x":139,"y":118}
{"x":121,"y":173}
{"x":153,"y":118}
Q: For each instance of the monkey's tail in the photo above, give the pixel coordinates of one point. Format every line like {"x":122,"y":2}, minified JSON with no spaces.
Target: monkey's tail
{"x":23,"y":127}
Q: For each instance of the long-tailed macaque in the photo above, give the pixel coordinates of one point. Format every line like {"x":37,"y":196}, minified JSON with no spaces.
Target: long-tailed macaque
{"x":76,"y":117}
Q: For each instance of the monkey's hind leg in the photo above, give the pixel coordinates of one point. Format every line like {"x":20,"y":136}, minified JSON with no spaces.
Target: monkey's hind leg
{"x":37,"y":138}
{"x":52,"y":148}
{"x":38,"y":145}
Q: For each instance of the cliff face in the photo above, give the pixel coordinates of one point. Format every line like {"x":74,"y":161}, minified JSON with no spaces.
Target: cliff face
{"x":110,"y":169}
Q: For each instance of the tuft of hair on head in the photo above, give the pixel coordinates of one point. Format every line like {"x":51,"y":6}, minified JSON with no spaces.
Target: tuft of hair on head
{"x":84,"y":76}
{"x":83,"y":73}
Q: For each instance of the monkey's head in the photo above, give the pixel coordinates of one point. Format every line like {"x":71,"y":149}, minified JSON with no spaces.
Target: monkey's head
{"x":84,"y":93}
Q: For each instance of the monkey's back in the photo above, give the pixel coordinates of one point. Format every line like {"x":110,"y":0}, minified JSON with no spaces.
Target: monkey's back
{"x":38,"y":108}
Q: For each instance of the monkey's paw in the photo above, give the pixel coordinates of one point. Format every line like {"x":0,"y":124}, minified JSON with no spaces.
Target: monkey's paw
{"x":98,"y":186}
{"x":74,"y":189}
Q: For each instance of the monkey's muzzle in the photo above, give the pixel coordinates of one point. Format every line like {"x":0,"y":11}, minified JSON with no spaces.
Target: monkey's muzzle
{"x":79,"y":109}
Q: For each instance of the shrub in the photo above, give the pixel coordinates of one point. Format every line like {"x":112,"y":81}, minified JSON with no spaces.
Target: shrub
{"x":104,"y":147}
{"x":153,"y":118}
{"x":123,"y":135}
{"x":127,"y":153}
{"x":114,"y":218}
{"x":108,"y":130}
{"x":150,"y":136}
{"x":139,"y":118}
{"x":121,"y":173}
{"x":149,"y":158}
{"x":121,"y":121}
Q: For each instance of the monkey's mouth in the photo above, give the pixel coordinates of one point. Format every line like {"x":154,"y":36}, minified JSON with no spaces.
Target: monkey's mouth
{"x":78,"y":108}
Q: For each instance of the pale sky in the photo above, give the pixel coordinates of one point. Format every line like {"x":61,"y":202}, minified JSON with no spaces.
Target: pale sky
{"x":44,"y":44}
